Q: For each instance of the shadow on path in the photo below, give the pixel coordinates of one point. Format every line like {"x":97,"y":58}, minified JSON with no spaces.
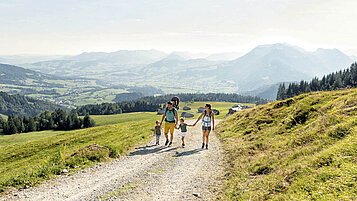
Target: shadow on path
{"x":185,"y":153}
{"x":146,"y":150}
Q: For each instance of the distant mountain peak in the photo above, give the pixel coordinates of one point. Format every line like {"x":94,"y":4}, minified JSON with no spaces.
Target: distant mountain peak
{"x":175,"y":56}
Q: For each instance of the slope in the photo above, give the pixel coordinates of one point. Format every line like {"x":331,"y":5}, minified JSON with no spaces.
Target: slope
{"x":19,"y":105}
{"x":303,"y":148}
{"x":270,"y":64}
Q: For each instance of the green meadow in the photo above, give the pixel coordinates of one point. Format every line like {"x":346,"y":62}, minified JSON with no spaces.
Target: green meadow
{"x":29,"y":158}
{"x":302,"y":148}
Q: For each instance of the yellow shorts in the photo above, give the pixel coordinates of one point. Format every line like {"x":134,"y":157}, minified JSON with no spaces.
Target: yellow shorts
{"x":169,"y":127}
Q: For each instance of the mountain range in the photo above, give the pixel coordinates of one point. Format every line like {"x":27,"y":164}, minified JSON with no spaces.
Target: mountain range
{"x":262,"y":67}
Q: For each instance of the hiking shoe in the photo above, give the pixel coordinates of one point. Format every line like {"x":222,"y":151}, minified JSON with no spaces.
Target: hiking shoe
{"x":183,"y":145}
{"x":203,"y":145}
{"x":206,"y":146}
{"x":167,"y":142}
{"x":170,"y":143}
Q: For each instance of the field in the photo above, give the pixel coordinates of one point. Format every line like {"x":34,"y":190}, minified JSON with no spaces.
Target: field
{"x":303,"y":148}
{"x":102,"y":120}
{"x":29,"y":158}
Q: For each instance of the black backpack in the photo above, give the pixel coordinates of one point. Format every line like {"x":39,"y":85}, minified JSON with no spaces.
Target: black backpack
{"x":175,"y":102}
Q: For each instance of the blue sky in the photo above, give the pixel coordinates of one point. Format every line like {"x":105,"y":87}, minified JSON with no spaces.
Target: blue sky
{"x":75,"y":26}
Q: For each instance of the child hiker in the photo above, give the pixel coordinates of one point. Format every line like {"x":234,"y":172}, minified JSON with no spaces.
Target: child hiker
{"x":157,"y":131}
{"x":183,"y":127}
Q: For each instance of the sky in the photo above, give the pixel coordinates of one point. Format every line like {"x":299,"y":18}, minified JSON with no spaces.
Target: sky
{"x":73,"y":26}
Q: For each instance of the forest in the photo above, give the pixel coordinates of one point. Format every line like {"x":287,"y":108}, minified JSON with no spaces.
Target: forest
{"x":214,"y":97}
{"x":57,"y":120}
{"x":20,"y":105}
{"x":337,"y":80}
{"x":152,"y":103}
{"x":117,"y":108}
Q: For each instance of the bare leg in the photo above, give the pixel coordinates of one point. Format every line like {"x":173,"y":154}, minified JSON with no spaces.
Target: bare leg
{"x":203,"y":136}
{"x":183,"y":140}
{"x":207,"y":134}
{"x":171,"y":137}
{"x":166,"y":135}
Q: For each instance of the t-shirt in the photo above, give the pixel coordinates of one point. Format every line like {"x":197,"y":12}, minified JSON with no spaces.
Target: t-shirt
{"x":206,"y":120}
{"x":157,"y":130}
{"x":183,"y":127}
{"x":170,"y":115}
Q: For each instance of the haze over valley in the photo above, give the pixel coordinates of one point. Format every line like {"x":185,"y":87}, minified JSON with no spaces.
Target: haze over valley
{"x":99,"y":76}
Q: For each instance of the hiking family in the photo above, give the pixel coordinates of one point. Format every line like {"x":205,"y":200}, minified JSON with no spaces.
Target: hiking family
{"x":171,"y":123}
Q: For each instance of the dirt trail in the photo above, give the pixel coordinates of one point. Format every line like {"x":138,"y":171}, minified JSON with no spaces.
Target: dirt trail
{"x":148,"y":173}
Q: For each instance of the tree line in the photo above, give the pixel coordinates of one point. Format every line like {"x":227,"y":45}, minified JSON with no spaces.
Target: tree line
{"x":153,"y":103}
{"x":214,"y":97}
{"x":56,"y":120}
{"x":337,"y":80}
{"x":117,"y":108}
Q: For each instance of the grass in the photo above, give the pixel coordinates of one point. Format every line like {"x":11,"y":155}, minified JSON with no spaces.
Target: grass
{"x":6,"y":140}
{"x":101,"y":120}
{"x":303,"y":148}
{"x":29,"y":158}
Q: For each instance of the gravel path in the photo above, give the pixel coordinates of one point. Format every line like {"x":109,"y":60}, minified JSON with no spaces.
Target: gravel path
{"x":148,"y":173}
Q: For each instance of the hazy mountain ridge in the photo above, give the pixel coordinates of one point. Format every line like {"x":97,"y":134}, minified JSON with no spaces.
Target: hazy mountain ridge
{"x":122,"y":57}
{"x":184,"y":72}
{"x":269,"y":64}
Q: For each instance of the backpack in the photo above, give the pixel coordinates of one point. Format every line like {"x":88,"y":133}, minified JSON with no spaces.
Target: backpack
{"x":175,"y":102}
{"x":173,"y":110}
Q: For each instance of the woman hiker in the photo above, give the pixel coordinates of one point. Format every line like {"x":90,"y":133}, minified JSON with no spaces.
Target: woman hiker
{"x":207,"y":124}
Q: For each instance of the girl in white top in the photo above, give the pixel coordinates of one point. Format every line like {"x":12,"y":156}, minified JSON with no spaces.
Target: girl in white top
{"x":207,"y":124}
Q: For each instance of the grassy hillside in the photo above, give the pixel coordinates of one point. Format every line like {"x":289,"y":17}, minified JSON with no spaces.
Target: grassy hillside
{"x":303,"y":148}
{"x":28,"y":158}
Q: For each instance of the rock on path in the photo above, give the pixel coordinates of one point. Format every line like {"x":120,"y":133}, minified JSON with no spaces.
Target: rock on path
{"x":148,"y":173}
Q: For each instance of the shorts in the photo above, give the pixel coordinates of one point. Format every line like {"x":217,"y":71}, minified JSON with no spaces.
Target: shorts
{"x":183,"y":134}
{"x":206,"y":128}
{"x":169,"y":127}
{"x":158,"y":136}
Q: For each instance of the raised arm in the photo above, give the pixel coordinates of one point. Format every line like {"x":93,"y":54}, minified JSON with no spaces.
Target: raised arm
{"x":199,"y":118}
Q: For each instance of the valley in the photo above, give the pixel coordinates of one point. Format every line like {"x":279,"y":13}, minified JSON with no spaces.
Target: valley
{"x":265,"y":65}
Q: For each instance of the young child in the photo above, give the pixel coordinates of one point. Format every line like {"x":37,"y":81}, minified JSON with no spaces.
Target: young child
{"x":183,"y":127}
{"x":157,"y":131}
